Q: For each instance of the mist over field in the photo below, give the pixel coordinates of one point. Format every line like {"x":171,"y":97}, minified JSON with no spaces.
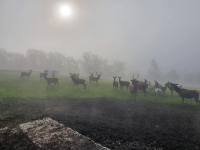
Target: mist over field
{"x":156,"y":39}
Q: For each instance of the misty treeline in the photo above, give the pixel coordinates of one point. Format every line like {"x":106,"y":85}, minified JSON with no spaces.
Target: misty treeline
{"x":38,"y":60}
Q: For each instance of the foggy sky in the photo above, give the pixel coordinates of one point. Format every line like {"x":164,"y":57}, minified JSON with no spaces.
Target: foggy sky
{"x":133,"y":31}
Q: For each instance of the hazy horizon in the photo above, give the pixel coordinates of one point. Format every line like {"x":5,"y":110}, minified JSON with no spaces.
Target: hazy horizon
{"x":131,"y":31}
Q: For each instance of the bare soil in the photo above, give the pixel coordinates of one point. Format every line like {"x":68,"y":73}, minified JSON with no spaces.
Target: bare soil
{"x":115,"y":124}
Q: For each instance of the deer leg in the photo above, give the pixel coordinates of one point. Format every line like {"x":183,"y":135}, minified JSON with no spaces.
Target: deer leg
{"x":74,"y":85}
{"x":58,"y":84}
{"x":182,"y":99}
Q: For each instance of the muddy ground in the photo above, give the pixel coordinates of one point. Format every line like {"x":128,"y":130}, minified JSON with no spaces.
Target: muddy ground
{"x":115,"y":124}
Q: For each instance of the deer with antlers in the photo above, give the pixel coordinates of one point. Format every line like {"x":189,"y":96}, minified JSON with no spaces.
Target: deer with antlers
{"x":133,"y":88}
{"x":184,"y":93}
{"x":96,"y":79}
{"x":78,"y":81}
{"x":142,"y":85}
{"x":26,"y":74}
{"x":123,"y":83}
{"x":51,"y":80}
{"x":42,"y":75}
{"x":115,"y":84}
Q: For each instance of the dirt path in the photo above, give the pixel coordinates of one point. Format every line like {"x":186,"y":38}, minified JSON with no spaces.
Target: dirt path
{"x":113,"y":123}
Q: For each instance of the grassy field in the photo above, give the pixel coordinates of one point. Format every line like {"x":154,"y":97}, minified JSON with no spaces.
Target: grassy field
{"x":13,"y":87}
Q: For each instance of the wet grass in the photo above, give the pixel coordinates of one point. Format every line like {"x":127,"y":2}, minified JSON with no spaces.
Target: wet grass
{"x":13,"y":87}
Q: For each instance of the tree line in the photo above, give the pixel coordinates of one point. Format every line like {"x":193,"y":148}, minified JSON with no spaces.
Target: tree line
{"x":40,"y":60}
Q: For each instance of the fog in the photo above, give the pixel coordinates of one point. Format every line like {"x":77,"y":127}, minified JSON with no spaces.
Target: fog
{"x":129,"y":31}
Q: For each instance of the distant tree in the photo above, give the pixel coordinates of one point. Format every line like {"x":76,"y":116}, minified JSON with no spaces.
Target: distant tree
{"x":37,"y":58}
{"x":3,"y":58}
{"x":118,"y":68}
{"x":91,"y":63}
{"x":154,"y":70}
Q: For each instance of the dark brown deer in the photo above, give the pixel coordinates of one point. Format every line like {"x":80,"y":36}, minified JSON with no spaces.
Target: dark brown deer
{"x":78,"y":81}
{"x":123,"y":83}
{"x":53,"y":75}
{"x":96,"y":78}
{"x":26,"y":74}
{"x":115,"y":84}
{"x":184,"y":93}
{"x":171,"y":88}
{"x":51,"y":80}
{"x":43,"y":74}
{"x":90,"y":77}
{"x":142,"y":86}
{"x":133,"y":88}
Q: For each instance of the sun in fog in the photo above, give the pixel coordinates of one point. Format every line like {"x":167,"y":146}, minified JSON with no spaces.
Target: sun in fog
{"x":65,"y":10}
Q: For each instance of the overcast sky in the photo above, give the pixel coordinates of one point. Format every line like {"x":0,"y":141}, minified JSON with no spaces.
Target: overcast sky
{"x":133,"y":31}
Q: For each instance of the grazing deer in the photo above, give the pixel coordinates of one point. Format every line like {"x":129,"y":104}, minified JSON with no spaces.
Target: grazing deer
{"x":90,"y":77}
{"x":54,"y":72}
{"x":123,"y":83}
{"x":43,"y":74}
{"x":184,"y":93}
{"x":115,"y":84}
{"x":78,"y":81}
{"x":26,"y":74}
{"x":51,"y":80}
{"x":133,"y":89}
{"x":96,"y":78}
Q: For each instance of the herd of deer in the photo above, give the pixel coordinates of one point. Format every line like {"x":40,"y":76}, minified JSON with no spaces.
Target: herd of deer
{"x":134,"y":88}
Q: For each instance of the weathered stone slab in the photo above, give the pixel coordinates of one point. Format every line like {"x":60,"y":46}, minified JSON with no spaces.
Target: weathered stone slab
{"x":49,"y":134}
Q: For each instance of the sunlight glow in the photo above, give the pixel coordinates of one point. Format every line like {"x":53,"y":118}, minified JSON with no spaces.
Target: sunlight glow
{"x":65,"y":11}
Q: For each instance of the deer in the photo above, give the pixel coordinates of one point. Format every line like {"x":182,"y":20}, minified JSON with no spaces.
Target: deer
{"x":78,"y":81}
{"x":51,"y":80}
{"x":53,"y":75}
{"x":96,"y":78}
{"x":90,"y":77}
{"x":171,"y":88}
{"x":142,"y":85}
{"x":164,"y":89}
{"x":123,"y":83}
{"x":26,"y":74}
{"x":184,"y":93}
{"x":158,"y":92}
{"x":43,"y":74}
{"x":133,"y":88}
{"x":115,"y":84}
{"x":150,"y":87}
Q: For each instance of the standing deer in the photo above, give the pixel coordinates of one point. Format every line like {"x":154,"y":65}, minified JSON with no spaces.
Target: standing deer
{"x":96,"y":78}
{"x":171,"y":88}
{"x":151,"y":87}
{"x":78,"y":81}
{"x":184,"y":93}
{"x":133,"y":89}
{"x":158,"y":92}
{"x":51,"y":80}
{"x":164,"y":89}
{"x":43,"y":74}
{"x":90,"y":77}
{"x":115,"y":84}
{"x":142,"y":86}
{"x":54,"y":72}
{"x":26,"y":74}
{"x":123,"y":83}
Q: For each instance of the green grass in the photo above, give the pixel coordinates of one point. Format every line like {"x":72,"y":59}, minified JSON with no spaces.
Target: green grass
{"x":13,"y":87}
